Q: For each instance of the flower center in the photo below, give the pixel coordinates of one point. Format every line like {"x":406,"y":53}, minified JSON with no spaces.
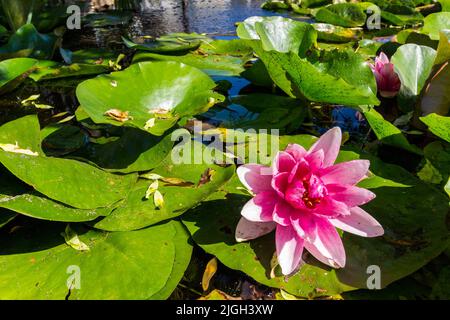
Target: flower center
{"x":314,"y":191}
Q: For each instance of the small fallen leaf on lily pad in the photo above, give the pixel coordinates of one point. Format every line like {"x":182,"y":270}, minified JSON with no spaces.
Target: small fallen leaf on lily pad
{"x":118,"y":115}
{"x":152,"y":189}
{"x":158,"y":199}
{"x":150,"y":123}
{"x":16,"y":149}
{"x":72,"y":240}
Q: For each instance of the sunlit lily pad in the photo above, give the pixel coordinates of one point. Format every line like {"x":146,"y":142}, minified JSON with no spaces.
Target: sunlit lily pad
{"x":337,"y":82}
{"x":168,"y":44}
{"x":279,"y":34}
{"x":35,"y":251}
{"x":85,"y":186}
{"x":342,"y":14}
{"x":138,"y":212}
{"x":14,"y":71}
{"x":330,"y":33}
{"x":153,"y":95}
{"x":219,"y":57}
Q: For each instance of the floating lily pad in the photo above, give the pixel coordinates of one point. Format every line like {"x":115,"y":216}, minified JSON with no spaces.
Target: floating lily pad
{"x":138,"y":150}
{"x":436,"y":23}
{"x":439,"y":125}
{"x":216,"y":58}
{"x":138,"y":212}
{"x":168,"y":44}
{"x":413,"y":63}
{"x":85,"y":186}
{"x":14,"y":71}
{"x":330,"y":33}
{"x":327,"y":82}
{"x":35,"y":251}
{"x":387,"y":133}
{"x":162,"y":91}
{"x":342,"y":14}
{"x":279,"y":34}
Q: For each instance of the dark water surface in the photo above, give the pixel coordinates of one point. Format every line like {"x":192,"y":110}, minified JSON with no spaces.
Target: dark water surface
{"x":158,"y":17}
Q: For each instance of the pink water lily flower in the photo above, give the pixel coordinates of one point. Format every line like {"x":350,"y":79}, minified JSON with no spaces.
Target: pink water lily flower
{"x":388,"y":82}
{"x":304,"y":196}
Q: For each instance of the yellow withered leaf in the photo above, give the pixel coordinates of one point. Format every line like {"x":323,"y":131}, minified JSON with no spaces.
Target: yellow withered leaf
{"x":118,"y":115}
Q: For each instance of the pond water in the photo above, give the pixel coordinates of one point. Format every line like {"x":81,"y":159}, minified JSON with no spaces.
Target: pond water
{"x":158,"y":17}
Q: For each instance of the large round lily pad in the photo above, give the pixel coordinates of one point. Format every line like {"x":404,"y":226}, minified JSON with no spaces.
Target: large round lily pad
{"x":36,"y":263}
{"x":162,"y":91}
{"x":184,"y":186}
{"x":71,"y":182}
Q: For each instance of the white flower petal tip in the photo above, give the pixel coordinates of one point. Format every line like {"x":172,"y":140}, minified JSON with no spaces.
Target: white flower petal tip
{"x":248,"y":230}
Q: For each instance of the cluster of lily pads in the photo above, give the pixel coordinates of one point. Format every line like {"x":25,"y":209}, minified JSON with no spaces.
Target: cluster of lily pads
{"x":97,"y":187}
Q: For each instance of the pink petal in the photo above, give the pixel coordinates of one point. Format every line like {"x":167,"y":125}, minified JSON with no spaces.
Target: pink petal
{"x":260,"y":208}
{"x":289,"y":249}
{"x":296,"y":151}
{"x":350,"y":172}
{"x":359,"y":222}
{"x":327,"y":246}
{"x":350,"y":195}
{"x":252,"y":178}
{"x":283,"y":162}
{"x":305,"y":225}
{"x":383,"y":58}
{"x":249,"y":230}
{"x":330,"y":143}
{"x":300,"y":171}
{"x":282,"y":213}
{"x":315,"y":160}
{"x":331,"y":208}
{"x":280,"y":183}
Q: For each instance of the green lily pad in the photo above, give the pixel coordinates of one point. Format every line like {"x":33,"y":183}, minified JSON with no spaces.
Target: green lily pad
{"x":279,"y":34}
{"x":216,"y":58}
{"x":387,"y":133}
{"x":342,"y":14}
{"x":413,"y":64}
{"x":162,"y":91}
{"x":436,"y":23}
{"x":77,"y":63}
{"x":328,"y":82}
{"x":14,"y":71}
{"x":85,"y":186}
{"x":439,"y":125}
{"x":401,"y":19}
{"x":35,"y":251}
{"x":139,"y":150}
{"x":436,"y":97}
{"x":138,"y":212}
{"x":168,"y":44}
{"x":107,"y":18}
{"x":28,"y":42}
{"x":331,"y":33}
{"x":18,"y":197}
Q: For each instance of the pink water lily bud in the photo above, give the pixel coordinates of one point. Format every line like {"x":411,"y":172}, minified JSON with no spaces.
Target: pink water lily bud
{"x":388,"y":82}
{"x":304,"y":198}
